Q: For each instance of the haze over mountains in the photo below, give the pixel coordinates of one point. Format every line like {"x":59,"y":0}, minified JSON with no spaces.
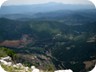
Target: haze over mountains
{"x":47,"y":7}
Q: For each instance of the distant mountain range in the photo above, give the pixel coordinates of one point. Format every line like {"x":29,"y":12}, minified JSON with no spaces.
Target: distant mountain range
{"x":86,"y":14}
{"x":47,"y":7}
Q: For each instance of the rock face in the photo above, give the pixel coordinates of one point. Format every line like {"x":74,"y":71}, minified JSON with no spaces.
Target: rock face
{"x":34,"y":69}
{"x":19,"y":67}
{"x":27,"y":69}
{"x":69,"y":70}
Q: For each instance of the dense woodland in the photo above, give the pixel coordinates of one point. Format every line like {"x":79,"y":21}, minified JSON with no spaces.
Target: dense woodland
{"x":54,"y":40}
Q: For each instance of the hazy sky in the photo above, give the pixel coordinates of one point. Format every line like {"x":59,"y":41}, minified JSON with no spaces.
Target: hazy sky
{"x":20,"y":2}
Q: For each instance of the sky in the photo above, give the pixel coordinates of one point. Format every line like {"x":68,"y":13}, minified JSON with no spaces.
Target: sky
{"x":21,"y":2}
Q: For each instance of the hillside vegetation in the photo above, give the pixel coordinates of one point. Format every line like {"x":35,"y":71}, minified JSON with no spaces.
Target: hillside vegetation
{"x":52,"y":42}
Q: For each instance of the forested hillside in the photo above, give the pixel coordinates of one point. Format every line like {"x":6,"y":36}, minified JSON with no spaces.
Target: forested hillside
{"x":58,"y":41}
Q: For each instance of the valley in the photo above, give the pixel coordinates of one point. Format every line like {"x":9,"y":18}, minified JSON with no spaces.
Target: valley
{"x":52,"y":40}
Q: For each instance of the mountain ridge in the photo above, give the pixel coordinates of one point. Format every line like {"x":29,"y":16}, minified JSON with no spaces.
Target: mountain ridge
{"x":47,"y":7}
